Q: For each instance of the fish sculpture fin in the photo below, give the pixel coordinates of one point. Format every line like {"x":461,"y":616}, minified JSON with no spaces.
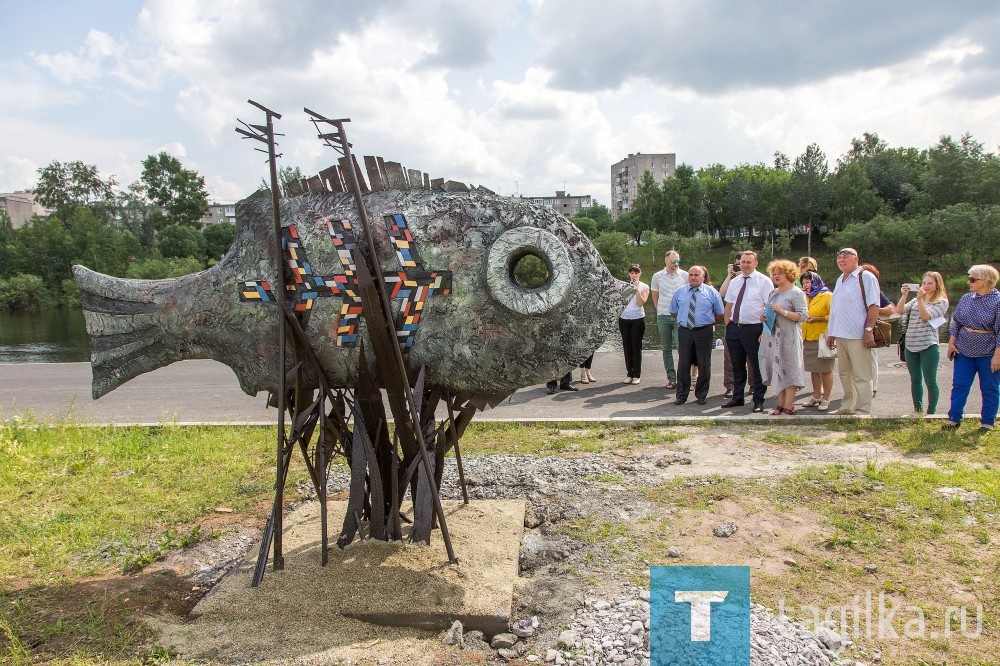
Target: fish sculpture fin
{"x":126,"y":324}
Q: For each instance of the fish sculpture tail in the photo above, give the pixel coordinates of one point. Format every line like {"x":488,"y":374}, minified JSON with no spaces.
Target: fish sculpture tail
{"x":129,"y":325}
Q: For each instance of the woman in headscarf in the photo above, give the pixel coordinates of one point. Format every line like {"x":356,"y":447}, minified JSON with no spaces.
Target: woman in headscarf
{"x":820,"y":370}
{"x":975,"y":347}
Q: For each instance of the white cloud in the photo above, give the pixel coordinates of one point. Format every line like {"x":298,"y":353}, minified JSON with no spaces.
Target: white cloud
{"x":450,"y":88}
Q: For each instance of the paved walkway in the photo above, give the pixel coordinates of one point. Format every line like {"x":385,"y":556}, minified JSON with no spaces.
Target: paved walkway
{"x":207,"y":392}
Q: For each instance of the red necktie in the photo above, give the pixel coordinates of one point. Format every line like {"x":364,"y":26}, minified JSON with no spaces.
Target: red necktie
{"x":739,"y":301}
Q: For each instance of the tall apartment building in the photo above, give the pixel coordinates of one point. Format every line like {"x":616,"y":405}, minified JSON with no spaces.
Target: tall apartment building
{"x":566,"y":205}
{"x":627,"y":174}
{"x":20,"y":206}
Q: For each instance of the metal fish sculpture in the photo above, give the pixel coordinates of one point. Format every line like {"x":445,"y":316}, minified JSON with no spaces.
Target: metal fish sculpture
{"x":448,"y":261}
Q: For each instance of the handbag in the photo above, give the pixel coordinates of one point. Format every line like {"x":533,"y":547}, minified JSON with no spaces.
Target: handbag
{"x":824,"y":351}
{"x":882,"y":330}
{"x":902,"y":347}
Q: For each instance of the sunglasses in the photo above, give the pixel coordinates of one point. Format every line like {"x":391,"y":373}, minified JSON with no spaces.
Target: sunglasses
{"x":676,"y":261}
{"x":973,"y":279}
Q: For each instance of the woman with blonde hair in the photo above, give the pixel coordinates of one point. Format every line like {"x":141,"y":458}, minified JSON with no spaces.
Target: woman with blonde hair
{"x":974,"y":346}
{"x":820,"y":369}
{"x":920,"y":347}
{"x":781,"y":347}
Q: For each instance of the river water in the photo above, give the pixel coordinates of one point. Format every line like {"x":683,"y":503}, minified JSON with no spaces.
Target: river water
{"x":60,"y":336}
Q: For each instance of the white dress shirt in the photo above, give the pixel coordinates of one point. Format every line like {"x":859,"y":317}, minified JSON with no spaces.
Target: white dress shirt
{"x":758,"y":288}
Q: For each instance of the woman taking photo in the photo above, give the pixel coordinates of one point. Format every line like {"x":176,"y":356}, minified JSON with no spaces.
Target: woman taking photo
{"x":820,"y":370}
{"x":632,"y":324}
{"x":781,"y":348}
{"x":973,"y":346}
{"x":920,"y":347}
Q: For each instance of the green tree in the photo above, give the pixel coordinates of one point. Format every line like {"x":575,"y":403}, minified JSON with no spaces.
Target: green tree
{"x":854,"y":197}
{"x":218,"y":238}
{"x":135,"y":214}
{"x":956,"y":171}
{"x":647,"y":208}
{"x":809,"y":191}
{"x":22,"y":292}
{"x":158,"y":269}
{"x":61,"y":187}
{"x":714,"y":182}
{"x":286,"y":174}
{"x":43,"y":247}
{"x":600,"y":214}
{"x":178,"y":193}
{"x":6,"y":240}
{"x":631,"y":224}
{"x":613,"y":247}
{"x":178,"y":240}
{"x":586,"y":225}
{"x":893,"y":172}
{"x":103,"y":249}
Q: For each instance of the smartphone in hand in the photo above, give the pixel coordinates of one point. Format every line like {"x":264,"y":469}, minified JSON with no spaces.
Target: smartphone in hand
{"x":952,"y":355}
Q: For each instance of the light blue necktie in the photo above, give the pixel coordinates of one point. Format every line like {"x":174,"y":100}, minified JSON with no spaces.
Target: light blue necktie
{"x":694,"y":300}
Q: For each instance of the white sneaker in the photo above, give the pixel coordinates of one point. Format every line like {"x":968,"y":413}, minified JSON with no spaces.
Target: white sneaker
{"x":635,"y":380}
{"x":627,"y":381}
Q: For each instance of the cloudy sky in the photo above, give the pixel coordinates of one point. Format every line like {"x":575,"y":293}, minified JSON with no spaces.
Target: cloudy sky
{"x":520,"y":96}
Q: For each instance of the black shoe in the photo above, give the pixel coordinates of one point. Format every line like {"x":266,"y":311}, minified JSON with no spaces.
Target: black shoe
{"x":729,"y":393}
{"x":949,"y":426}
{"x":985,"y":429}
{"x":567,"y":387}
{"x":701,"y":401}
{"x":758,"y":407}
{"x":680,"y":401}
{"x":732,"y":403}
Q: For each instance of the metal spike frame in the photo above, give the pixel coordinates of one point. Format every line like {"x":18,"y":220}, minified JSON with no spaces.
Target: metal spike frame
{"x":353,"y":422}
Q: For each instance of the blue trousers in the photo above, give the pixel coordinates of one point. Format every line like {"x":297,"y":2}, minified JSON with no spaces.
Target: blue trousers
{"x":966,"y":369}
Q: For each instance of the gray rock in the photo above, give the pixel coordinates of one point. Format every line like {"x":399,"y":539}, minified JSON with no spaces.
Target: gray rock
{"x":871,"y":568}
{"x":673,"y":551}
{"x":523,"y":631}
{"x":454,"y":635}
{"x":725,"y":530}
{"x":568,"y":639}
{"x":503,"y":641}
{"x":508,"y":654}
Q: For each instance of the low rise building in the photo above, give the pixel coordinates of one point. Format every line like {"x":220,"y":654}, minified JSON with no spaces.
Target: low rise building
{"x":565,"y":204}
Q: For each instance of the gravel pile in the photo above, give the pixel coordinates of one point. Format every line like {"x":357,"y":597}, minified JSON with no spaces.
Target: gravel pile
{"x":602,"y":631}
{"x":616,"y":631}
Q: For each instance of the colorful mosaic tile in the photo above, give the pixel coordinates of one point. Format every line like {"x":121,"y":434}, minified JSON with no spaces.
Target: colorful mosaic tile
{"x":411,"y":283}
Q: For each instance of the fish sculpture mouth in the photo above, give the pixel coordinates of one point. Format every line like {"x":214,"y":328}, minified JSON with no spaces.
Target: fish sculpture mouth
{"x":504,"y":255}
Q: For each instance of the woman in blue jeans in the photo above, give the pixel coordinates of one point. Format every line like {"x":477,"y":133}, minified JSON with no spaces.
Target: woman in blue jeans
{"x":921,"y":319}
{"x":975,"y":347}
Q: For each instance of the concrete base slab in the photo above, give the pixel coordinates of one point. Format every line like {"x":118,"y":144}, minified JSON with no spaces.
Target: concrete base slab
{"x":387,"y":584}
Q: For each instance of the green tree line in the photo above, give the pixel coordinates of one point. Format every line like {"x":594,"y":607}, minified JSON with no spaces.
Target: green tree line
{"x":151,"y":229}
{"x":936,"y":208}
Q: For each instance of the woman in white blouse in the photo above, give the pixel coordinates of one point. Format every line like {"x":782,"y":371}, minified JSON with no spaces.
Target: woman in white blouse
{"x":632,"y":324}
{"x":921,"y":319}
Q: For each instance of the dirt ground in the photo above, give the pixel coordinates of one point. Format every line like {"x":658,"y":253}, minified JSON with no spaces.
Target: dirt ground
{"x":554,"y":579}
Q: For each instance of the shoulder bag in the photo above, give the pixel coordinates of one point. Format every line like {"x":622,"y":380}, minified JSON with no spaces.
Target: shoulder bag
{"x":883,"y":329}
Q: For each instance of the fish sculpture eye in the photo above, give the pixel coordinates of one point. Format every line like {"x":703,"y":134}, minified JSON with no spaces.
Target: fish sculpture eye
{"x":507,"y":250}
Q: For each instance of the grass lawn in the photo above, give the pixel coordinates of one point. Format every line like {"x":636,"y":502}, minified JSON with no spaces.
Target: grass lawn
{"x":88,"y":509}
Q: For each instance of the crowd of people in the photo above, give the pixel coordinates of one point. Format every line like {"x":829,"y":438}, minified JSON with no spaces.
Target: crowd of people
{"x":788,"y":323}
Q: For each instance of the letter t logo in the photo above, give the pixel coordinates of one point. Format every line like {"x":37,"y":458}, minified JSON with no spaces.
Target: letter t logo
{"x":701,"y":610}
